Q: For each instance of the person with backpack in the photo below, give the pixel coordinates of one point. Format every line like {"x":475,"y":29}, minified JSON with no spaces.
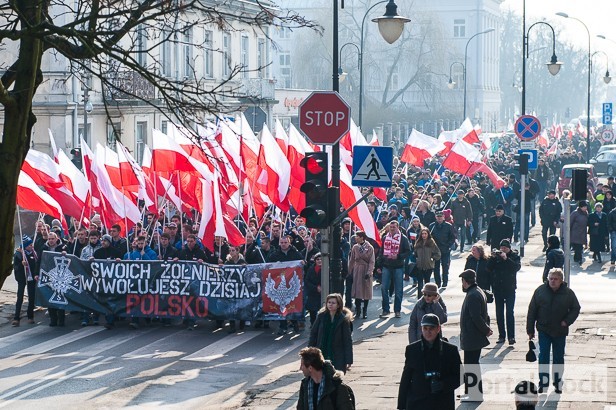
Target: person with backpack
{"x":322,"y":387}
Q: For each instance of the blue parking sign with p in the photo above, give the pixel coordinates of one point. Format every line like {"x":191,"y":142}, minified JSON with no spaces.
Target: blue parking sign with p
{"x":607,"y":114}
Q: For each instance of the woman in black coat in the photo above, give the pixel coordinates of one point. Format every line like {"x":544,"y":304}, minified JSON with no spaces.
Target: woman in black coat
{"x":312,"y":287}
{"x":597,"y":230}
{"x":554,"y":256}
{"x":331,"y":332}
{"x":478,"y":261}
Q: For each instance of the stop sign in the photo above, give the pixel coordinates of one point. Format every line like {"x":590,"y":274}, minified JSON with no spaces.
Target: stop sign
{"x":324,"y":117}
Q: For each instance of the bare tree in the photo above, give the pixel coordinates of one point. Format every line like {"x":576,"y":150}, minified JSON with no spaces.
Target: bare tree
{"x":99,"y":37}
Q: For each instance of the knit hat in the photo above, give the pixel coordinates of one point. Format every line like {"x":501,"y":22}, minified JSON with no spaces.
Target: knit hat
{"x":26,"y":241}
{"x":506,"y":243}
{"x":430,"y":289}
{"x":107,"y":238}
{"x":56,"y":222}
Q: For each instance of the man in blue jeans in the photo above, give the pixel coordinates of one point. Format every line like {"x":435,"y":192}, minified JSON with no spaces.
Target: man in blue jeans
{"x":392,"y":257}
{"x":553,"y":308}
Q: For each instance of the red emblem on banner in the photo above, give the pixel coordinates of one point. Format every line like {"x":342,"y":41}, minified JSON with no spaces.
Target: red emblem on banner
{"x":283,"y":293}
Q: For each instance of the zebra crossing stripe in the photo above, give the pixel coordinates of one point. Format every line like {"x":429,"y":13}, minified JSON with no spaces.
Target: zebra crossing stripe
{"x":25,"y":335}
{"x":218,"y":349}
{"x":61,"y":341}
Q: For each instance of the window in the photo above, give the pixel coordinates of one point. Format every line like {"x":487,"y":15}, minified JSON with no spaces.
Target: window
{"x":163,"y":126}
{"x":395,"y":85}
{"x":459,"y":28}
{"x":284,"y":32}
{"x":140,"y":139}
{"x":285,"y":69}
{"x":245,"y":55}
{"x":142,"y":45}
{"x":226,"y":54}
{"x":166,"y":53}
{"x":114,"y":133}
{"x":208,"y":53}
{"x":261,"y":58}
{"x":187,"y":57}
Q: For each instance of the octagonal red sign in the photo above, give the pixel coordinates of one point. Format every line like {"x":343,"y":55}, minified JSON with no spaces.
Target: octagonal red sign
{"x":324,"y":117}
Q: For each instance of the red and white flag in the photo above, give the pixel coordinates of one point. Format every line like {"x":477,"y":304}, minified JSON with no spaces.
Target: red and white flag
{"x":468,"y":133}
{"x":33,"y":198}
{"x":461,"y":157}
{"x":420,"y":147}
{"x":275,"y":174}
{"x":553,"y":149}
{"x":360,"y":215}
{"x":497,"y":181}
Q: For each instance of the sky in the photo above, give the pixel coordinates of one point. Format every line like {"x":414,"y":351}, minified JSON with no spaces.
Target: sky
{"x":598,"y":15}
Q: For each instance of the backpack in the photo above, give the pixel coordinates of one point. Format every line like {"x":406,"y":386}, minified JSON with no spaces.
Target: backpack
{"x":341,"y":385}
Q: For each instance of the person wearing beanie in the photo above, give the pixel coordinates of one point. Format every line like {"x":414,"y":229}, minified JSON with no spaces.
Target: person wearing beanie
{"x":500,"y":227}
{"x":474,"y":332}
{"x":430,"y":302}
{"x":554,"y":256}
{"x":549,"y":215}
{"x":503,"y":266}
{"x":24,"y":268}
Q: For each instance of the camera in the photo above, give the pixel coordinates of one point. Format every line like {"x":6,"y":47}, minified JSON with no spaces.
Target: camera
{"x":436,"y":385}
{"x":496,"y":251}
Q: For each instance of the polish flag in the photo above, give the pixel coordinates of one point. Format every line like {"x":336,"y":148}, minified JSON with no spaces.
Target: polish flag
{"x":542,"y":140}
{"x":208,"y":223}
{"x":448,"y":139}
{"x":468,"y":132}
{"x":349,"y":140}
{"x":33,"y":198}
{"x":581,"y":129}
{"x":46,"y":173}
{"x":420,"y":147}
{"x":249,"y":150}
{"x":75,"y":181}
{"x":168,"y":155}
{"x":275,"y":173}
{"x":130,"y":169}
{"x":298,"y":147}
{"x":461,"y":157}
{"x":558,"y":131}
{"x":228,"y":136}
{"x":375,"y":139}
{"x":360,"y":215}
{"x":497,"y":181}
{"x":553,"y":149}
{"x":281,"y":136}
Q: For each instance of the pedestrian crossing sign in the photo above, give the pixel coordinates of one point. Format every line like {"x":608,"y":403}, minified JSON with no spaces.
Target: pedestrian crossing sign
{"x":372,"y":166}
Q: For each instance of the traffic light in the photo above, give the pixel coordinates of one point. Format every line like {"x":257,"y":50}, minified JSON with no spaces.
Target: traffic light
{"x":315,"y":166}
{"x":579,"y":187}
{"x":521,"y":163}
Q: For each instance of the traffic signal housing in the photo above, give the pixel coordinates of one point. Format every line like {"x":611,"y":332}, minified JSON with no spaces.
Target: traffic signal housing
{"x":521,"y":161}
{"x":316,"y":168}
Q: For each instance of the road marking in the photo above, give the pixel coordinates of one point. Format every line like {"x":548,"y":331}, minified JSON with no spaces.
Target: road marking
{"x":116,"y":340}
{"x":165,"y":347}
{"x":64,"y":374}
{"x":218,"y":349}
{"x":20,"y":337}
{"x":61,"y":341}
{"x":275,"y":351}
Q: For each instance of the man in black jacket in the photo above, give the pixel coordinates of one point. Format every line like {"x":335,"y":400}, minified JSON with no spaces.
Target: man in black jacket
{"x":500,"y":227}
{"x":504,"y":265}
{"x":549,"y":213}
{"x":553,"y":308}
{"x":392,"y":257}
{"x":431,"y":370}
{"x":444,"y":236}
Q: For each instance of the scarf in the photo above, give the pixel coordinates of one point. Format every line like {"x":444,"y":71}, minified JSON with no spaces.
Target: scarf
{"x":391,"y":245}
{"x":328,"y":335}
{"x":311,"y":392}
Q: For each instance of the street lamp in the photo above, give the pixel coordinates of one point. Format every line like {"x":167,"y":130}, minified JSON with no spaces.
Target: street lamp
{"x":87,"y":108}
{"x":341,"y":73}
{"x":452,"y":83}
{"x":553,"y":66}
{"x":390,"y":27}
{"x":565,"y":15}
{"x":606,"y":78}
{"x":465,"y":63}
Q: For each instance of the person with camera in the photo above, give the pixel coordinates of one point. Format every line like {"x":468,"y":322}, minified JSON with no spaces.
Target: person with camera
{"x":500,"y":227}
{"x":430,"y":302}
{"x":504,"y":265}
{"x":431,"y":370}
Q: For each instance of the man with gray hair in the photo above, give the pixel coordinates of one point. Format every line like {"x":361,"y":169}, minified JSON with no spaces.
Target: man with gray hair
{"x":553,"y":308}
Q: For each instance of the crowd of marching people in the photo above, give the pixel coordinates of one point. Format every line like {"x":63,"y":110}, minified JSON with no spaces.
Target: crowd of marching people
{"x":429,"y":216}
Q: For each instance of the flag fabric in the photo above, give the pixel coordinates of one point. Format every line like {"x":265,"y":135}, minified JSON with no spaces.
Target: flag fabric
{"x":420,"y":147}
{"x":276,"y":170}
{"x":542,"y":140}
{"x":360,"y":215}
{"x":461,"y":157}
{"x":553,"y":149}
{"x":33,"y":198}
{"x":497,"y":181}
{"x":468,"y":133}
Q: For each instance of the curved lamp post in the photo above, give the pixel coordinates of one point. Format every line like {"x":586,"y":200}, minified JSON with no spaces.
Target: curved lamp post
{"x":465,"y":63}
{"x":390,"y":26}
{"x":452,"y":83}
{"x":565,"y":15}
{"x":606,"y":78}
{"x":341,"y":73}
{"x":553,"y":66}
